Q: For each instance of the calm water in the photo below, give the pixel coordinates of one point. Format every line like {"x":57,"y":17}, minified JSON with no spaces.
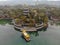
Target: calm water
{"x":9,"y":36}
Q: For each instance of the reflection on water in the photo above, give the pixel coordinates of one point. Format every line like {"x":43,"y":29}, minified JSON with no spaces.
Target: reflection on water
{"x":36,"y":32}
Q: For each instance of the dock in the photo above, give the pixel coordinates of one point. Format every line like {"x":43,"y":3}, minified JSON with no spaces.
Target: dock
{"x":28,"y":29}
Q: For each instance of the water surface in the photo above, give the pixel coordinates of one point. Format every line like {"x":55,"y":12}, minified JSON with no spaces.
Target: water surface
{"x":9,"y":36}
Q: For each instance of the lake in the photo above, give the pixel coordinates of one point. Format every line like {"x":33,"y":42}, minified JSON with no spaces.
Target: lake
{"x":9,"y":36}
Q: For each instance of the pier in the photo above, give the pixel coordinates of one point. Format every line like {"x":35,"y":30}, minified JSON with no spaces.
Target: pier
{"x":28,"y":29}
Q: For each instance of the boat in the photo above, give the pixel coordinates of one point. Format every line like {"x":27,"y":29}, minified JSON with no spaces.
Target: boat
{"x":25,"y":35}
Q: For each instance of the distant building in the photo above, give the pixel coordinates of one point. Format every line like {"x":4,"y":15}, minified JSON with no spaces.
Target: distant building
{"x":48,"y":14}
{"x":3,"y":15}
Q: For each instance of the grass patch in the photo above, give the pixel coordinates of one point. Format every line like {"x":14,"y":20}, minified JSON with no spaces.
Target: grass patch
{"x":4,"y":21}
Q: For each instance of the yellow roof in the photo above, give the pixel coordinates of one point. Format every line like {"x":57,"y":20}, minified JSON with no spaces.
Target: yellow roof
{"x":25,"y":33}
